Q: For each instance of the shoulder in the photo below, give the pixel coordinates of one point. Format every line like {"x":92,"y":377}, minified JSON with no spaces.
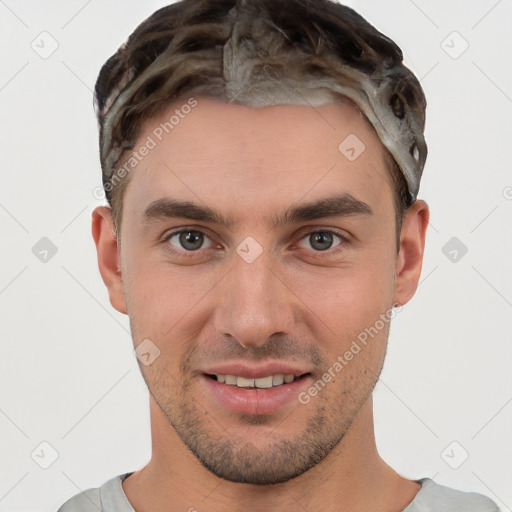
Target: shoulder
{"x":433,"y":497}
{"x":86,"y":501}
{"x":110,"y":496}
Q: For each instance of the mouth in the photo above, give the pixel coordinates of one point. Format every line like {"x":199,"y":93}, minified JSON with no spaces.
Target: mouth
{"x":256,"y":394}
{"x":270,"y":381}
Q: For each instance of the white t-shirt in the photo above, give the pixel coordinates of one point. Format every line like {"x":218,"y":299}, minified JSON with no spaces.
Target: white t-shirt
{"x":432,"y":497}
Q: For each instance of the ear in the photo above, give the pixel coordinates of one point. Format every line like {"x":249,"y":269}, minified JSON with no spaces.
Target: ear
{"x":410,"y":256}
{"x":109,"y":259}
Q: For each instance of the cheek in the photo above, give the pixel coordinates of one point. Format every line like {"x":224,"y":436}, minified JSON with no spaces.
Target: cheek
{"x":352,"y":295}
{"x":349,"y":302}
{"x":162,"y":298}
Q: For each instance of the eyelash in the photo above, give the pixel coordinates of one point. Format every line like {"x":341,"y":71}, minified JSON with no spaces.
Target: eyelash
{"x":344,"y":241}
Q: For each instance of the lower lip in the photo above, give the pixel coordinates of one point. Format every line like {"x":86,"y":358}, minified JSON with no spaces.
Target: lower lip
{"x":256,"y":401}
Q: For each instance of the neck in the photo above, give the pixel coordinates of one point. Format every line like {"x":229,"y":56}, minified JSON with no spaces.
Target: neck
{"x":352,"y":477}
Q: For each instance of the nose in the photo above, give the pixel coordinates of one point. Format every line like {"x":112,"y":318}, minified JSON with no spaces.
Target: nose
{"x":254,"y":303}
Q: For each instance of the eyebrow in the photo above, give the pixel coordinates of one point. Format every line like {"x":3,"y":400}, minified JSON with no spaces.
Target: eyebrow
{"x":173,"y":208}
{"x":333,"y":206}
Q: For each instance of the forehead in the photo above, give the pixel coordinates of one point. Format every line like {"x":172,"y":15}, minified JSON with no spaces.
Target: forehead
{"x":232,"y":154}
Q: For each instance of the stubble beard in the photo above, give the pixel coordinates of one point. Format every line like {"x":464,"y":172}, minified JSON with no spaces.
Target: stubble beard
{"x":239,"y":460}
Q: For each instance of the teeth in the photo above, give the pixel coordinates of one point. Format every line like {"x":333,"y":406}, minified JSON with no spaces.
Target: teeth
{"x":230,"y":379}
{"x":262,"y":382}
{"x":244,"y":383}
{"x":277,"y":379}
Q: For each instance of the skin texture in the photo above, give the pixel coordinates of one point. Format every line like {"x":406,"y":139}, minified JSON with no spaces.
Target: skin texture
{"x":294,"y":303}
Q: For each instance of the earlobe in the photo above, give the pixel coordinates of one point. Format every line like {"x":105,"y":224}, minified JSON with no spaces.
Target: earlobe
{"x":410,"y":256}
{"x":109,"y":260}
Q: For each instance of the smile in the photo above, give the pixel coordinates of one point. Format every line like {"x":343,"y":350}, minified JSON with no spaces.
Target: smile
{"x":259,"y":395}
{"x":261,"y":383}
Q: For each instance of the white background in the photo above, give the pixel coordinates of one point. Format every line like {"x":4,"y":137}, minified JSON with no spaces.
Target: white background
{"x":67,"y":372}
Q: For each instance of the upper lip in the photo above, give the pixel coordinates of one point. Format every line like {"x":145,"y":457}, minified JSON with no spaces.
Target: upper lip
{"x":251,"y":371}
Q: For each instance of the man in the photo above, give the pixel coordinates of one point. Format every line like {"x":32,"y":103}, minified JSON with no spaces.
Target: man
{"x":262,"y":161}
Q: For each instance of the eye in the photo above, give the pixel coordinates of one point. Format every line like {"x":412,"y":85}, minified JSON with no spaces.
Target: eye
{"x":189,"y":240}
{"x":320,"y":240}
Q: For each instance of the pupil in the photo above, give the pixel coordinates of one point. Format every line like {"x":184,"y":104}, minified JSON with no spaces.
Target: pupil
{"x":317,"y":239}
{"x":191,"y":240}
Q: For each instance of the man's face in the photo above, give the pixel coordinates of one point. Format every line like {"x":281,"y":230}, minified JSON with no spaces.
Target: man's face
{"x":214,"y":304}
